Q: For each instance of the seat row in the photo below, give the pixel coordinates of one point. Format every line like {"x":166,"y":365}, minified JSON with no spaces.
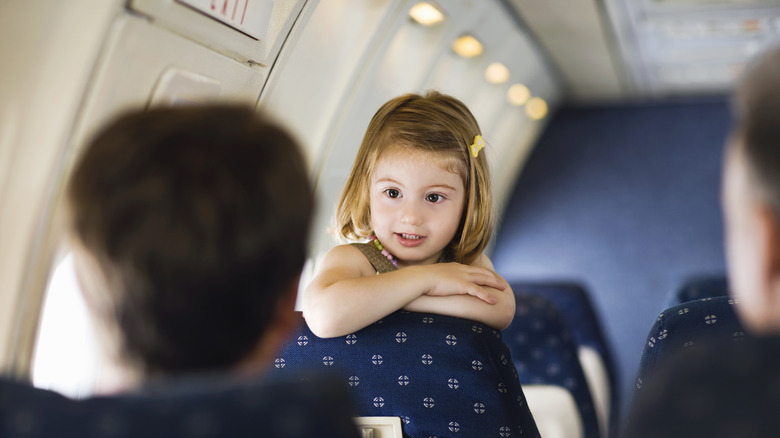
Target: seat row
{"x":445,"y":376}
{"x":437,"y":375}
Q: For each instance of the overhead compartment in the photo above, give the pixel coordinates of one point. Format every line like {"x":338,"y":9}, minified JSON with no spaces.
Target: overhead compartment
{"x":252,"y":31}
{"x":144,"y":64}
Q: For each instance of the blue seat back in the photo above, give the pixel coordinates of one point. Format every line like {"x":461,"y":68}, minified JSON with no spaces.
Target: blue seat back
{"x":684,"y":326}
{"x":696,"y":288}
{"x":443,"y":376}
{"x":544,"y":350}
{"x":192,"y":408}
{"x":574,"y":302}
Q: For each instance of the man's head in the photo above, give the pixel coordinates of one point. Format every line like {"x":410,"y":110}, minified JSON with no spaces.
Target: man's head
{"x":190,"y":229}
{"x":751,"y":195}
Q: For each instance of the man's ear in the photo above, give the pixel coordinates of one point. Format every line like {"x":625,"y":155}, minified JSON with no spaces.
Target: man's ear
{"x":769,"y":233}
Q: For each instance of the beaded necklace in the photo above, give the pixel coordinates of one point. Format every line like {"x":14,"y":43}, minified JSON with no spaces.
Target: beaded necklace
{"x":385,"y":252}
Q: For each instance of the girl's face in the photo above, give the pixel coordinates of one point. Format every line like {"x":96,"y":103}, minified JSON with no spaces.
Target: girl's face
{"x":416,"y":204}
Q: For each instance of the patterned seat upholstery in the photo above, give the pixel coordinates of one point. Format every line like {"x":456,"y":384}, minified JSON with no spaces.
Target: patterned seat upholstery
{"x":189,"y":408}
{"x":574,"y":302}
{"x":701,"y":287}
{"x":443,"y":376}
{"x":684,"y":326}
{"x":545,"y":352}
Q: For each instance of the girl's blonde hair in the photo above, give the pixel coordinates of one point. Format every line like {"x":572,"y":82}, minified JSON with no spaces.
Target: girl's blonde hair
{"x":436,"y":123}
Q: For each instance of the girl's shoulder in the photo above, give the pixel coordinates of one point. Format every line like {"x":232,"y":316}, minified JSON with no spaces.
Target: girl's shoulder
{"x":482,"y":261}
{"x":347,"y":257}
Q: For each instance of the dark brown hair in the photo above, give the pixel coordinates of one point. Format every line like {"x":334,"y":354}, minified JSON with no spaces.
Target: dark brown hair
{"x":198,"y":219}
{"x":757,"y":131}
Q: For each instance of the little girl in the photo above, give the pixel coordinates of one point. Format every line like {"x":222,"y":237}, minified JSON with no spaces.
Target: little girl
{"x":419,"y":192}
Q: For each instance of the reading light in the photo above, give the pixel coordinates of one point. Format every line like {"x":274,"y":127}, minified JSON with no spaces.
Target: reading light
{"x":467,"y":46}
{"x":426,"y":14}
{"x":518,"y":94}
{"x":497,"y":73}
{"x":536,"y":108}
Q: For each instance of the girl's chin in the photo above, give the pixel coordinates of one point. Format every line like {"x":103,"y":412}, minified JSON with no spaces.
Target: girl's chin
{"x":417,"y":261}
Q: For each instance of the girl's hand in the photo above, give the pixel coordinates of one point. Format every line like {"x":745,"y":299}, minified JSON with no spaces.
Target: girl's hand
{"x":458,"y":279}
{"x":473,"y":292}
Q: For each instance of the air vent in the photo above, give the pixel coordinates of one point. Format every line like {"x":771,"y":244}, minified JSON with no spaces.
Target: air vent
{"x":715,"y":2}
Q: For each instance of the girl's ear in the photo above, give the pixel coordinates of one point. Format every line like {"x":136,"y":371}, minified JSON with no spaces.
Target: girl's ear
{"x":769,"y":225}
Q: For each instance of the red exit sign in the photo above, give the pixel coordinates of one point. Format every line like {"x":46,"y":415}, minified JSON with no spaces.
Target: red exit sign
{"x":248,"y":16}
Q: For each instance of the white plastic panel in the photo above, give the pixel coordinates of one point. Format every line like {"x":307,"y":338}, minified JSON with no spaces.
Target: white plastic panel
{"x":316,"y":71}
{"x":379,"y":427}
{"x":598,"y":382}
{"x":144,"y":64}
{"x":177,"y":87}
{"x":555,"y":411}
{"x":46,"y":67}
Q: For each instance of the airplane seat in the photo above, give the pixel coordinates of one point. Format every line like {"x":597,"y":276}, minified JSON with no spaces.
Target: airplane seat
{"x":574,"y":302}
{"x":683,"y":327}
{"x":695,"y":288}
{"x":442,"y":376}
{"x":184,"y":408}
{"x":545,"y":352}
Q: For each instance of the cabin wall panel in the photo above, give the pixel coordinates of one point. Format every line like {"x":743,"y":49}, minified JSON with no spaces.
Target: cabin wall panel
{"x":66,"y":72}
{"x":316,"y":71}
{"x":135,"y":61}
{"x":48,"y":49}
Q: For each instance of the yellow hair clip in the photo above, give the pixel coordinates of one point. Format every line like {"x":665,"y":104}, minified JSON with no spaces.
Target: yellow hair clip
{"x":478,"y":145}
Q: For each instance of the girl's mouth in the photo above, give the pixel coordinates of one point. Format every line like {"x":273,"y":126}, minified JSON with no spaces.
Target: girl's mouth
{"x":409,"y":240}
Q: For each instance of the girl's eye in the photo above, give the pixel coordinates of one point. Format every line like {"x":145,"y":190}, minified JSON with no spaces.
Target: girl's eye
{"x":393,"y":193}
{"x":434,"y":197}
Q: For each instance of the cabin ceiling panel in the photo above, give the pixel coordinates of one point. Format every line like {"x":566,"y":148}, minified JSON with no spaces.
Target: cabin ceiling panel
{"x":573,"y":35}
{"x":640,"y":49}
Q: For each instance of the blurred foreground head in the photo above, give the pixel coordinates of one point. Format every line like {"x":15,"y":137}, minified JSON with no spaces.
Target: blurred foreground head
{"x":190,"y":229}
{"x":751,"y":195}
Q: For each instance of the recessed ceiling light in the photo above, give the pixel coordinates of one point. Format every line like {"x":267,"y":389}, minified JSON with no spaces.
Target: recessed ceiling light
{"x":467,"y":46}
{"x":518,"y":94}
{"x":497,"y":73}
{"x":426,"y":14}
{"x":536,"y":108}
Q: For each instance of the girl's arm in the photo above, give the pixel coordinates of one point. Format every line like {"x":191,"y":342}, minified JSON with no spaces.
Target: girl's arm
{"x":347,"y":295}
{"x":498,"y":315}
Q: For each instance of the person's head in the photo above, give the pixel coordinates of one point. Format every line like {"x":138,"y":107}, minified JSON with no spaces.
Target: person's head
{"x":751,"y":195}
{"x":189,"y":228}
{"x":420,"y":145}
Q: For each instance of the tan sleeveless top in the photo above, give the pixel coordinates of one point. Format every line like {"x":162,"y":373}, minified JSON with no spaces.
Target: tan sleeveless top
{"x":378,"y":260}
{"x":381,"y":264}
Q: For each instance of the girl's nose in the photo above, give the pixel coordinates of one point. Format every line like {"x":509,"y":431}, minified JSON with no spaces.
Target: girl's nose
{"x":410,"y":215}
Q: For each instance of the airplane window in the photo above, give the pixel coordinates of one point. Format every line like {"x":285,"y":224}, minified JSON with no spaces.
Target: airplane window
{"x":66,"y":354}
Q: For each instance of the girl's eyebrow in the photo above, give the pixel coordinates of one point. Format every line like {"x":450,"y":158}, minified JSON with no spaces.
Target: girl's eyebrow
{"x":432,"y":186}
{"x":442,"y":186}
{"x":384,"y":180}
